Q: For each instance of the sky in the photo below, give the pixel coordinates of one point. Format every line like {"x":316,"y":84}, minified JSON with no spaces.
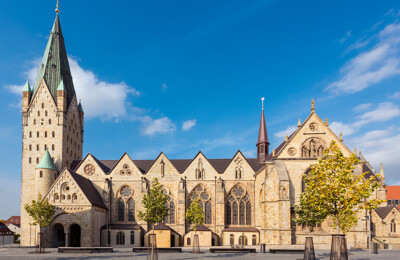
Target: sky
{"x":182,"y":76}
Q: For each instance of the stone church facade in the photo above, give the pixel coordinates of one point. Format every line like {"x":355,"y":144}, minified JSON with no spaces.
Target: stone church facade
{"x":245,"y":200}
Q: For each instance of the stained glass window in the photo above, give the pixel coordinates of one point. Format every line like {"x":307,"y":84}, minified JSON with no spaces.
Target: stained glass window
{"x":131,"y":210}
{"x":241,"y":213}
{"x":238,"y":207}
{"x":120,"y":238}
{"x":205,"y":202}
{"x":121,"y":210}
{"x":248,"y":213}
{"x":172,"y":212}
{"x":235,"y":213}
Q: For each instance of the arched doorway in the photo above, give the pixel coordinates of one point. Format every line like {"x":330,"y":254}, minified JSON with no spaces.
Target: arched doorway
{"x":58,"y":235}
{"x":172,"y":240}
{"x":75,"y":235}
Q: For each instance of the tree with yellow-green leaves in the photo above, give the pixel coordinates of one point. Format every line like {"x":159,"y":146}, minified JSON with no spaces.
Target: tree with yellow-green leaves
{"x":332,"y":188}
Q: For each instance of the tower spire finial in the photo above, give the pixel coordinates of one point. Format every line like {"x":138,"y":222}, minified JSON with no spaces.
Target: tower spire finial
{"x":262,"y":103}
{"x":312,"y":105}
{"x":57,"y":11}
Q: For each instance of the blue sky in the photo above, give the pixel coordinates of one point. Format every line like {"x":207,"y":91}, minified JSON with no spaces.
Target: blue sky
{"x":185,"y":76}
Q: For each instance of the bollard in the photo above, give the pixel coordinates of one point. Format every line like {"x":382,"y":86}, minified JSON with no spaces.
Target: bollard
{"x":375,"y":248}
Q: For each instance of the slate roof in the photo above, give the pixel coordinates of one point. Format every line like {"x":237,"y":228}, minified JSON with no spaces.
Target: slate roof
{"x":367,"y":168}
{"x":201,"y":228}
{"x":4,"y":230}
{"x":161,"y":226}
{"x":181,"y":165}
{"x":240,"y":229}
{"x":383,"y":211}
{"x":88,"y":189}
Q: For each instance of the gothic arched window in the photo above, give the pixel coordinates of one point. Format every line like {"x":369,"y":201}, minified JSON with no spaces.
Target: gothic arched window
{"x":243,"y":240}
{"x":37,"y":134}
{"x":254,"y":240}
{"x":238,"y":207}
{"x":120,"y":238}
{"x":132,"y":237}
{"x":171,"y":205}
{"x":53,"y":134}
{"x":238,"y":173}
{"x":121,"y":210}
{"x":30,"y":160}
{"x":313,"y":147}
{"x":30,"y":147}
{"x":205,"y":201}
{"x":131,"y":210}
{"x":231,"y":239}
{"x":52,"y":147}
{"x":188,"y":241}
{"x":393,"y":226}
{"x":45,"y":113}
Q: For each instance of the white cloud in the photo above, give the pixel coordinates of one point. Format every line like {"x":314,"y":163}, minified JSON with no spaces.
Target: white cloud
{"x":162,"y":125}
{"x":380,"y":146}
{"x":164,"y":87}
{"x":99,"y":98}
{"x":383,"y":113}
{"x":188,"y":124}
{"x":348,"y":35}
{"x":338,"y":127}
{"x":396,"y":95}
{"x":250,"y":153}
{"x":380,"y":62}
{"x":362,"y":107}
{"x":289,"y":130}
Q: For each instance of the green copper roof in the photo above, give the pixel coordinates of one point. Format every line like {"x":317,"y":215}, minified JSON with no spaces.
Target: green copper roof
{"x":80,"y":107}
{"x":54,"y":65}
{"x":46,"y":162}
{"x":61,"y":86}
{"x":27,"y":87}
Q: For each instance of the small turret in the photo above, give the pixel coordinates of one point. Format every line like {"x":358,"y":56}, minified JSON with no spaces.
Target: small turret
{"x":382,"y":174}
{"x":46,"y":173}
{"x":81,"y":113}
{"x":26,"y":96}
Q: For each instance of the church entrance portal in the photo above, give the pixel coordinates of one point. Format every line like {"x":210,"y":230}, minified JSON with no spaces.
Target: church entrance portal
{"x":75,"y":233}
{"x":58,"y":235}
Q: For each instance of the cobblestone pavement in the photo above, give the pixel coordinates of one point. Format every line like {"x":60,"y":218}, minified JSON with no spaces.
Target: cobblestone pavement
{"x":14,"y":252}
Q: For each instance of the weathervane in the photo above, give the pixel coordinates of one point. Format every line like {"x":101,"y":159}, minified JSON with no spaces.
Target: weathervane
{"x":57,"y":11}
{"x":262,"y":103}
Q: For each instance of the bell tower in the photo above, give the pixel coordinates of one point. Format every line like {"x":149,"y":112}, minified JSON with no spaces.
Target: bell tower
{"x":52,"y":125}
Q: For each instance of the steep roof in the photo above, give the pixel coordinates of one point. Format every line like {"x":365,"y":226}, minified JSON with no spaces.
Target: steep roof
{"x":13,"y":220}
{"x":88,"y":189}
{"x":201,"y":228}
{"x":262,"y":133}
{"x":46,"y":162}
{"x":240,"y":229}
{"x":143,"y":165}
{"x":27,"y":87}
{"x":54,"y":66}
{"x":123,"y":226}
{"x":181,"y":164}
{"x":4,"y":230}
{"x":383,"y":211}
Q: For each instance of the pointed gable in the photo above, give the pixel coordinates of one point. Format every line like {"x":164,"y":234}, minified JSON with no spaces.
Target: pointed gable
{"x":125,"y":168}
{"x":315,"y":133}
{"x":200,"y":165}
{"x":162,"y":167}
{"x":71,"y":188}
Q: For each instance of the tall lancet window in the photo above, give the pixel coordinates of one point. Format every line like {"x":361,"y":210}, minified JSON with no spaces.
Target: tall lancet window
{"x":238,"y":207}
{"x":205,"y":201}
{"x":121,"y":210}
{"x":162,"y":168}
{"x":170,"y":219}
{"x":238,"y":173}
{"x":200,"y":171}
{"x":131,"y":210}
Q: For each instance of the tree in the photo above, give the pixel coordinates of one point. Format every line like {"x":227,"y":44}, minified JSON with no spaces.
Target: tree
{"x":333,"y":189}
{"x":42,"y":213}
{"x":195,"y":214}
{"x":155,"y":203}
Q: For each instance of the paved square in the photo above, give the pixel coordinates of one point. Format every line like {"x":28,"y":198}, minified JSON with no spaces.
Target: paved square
{"x":15,"y":252}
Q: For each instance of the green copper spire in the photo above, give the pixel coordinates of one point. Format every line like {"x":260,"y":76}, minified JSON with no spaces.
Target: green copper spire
{"x":61,"y":86}
{"x":80,"y":107}
{"x":27,"y":87}
{"x":54,"y":65}
{"x":46,"y":162}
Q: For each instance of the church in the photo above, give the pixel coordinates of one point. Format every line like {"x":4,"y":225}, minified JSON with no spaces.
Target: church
{"x":246,"y":201}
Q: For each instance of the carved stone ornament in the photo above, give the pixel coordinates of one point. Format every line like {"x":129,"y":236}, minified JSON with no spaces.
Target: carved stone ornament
{"x":292,"y":151}
{"x":313,"y":126}
{"x":89,"y":169}
{"x":126,"y":191}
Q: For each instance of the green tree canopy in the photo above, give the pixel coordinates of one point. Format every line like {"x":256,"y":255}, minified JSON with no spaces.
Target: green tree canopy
{"x":333,"y":189}
{"x":195,"y":214}
{"x":155,"y":204}
{"x":41,"y":211}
